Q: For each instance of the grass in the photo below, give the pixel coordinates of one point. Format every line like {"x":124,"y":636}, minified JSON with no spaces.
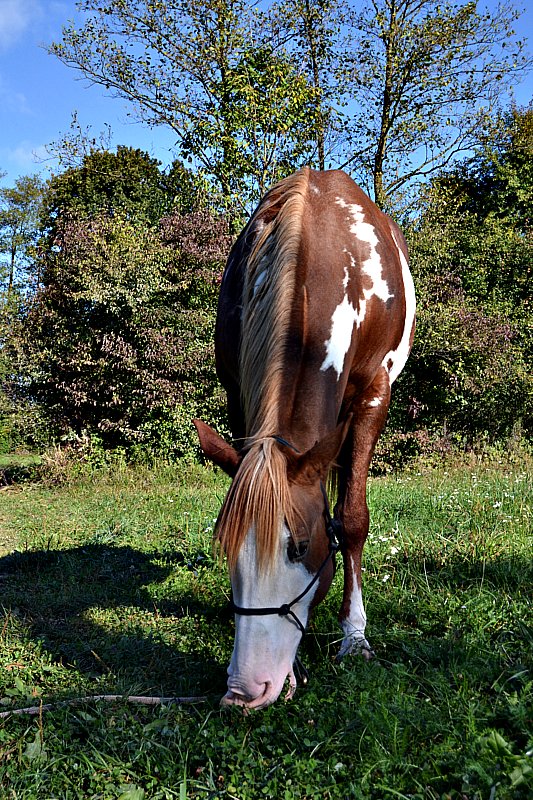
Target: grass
{"x":17,"y":466}
{"x":108,"y":585}
{"x":18,"y":460}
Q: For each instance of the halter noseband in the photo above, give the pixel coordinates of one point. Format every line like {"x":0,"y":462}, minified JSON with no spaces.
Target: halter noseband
{"x":335,"y":543}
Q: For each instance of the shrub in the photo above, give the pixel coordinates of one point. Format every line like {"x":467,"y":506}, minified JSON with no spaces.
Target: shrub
{"x":119,"y":338}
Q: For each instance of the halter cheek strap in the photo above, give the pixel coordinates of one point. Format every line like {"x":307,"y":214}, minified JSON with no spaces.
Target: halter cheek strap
{"x":335,"y":542}
{"x":285,"y":610}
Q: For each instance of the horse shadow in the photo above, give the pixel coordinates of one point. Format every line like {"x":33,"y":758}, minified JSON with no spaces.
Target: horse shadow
{"x":92,"y":607}
{"x":110,"y":613}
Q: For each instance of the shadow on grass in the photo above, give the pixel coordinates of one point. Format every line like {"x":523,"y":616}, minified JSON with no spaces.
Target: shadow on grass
{"x":91,"y":608}
{"x":112,"y":611}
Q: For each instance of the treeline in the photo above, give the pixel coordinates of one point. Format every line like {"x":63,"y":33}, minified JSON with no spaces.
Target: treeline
{"x":391,"y":88}
{"x":107,"y":319}
{"x":109,"y":271}
{"x":109,"y":296}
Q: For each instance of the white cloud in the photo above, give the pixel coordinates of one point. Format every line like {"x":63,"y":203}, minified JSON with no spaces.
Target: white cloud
{"x":16,"y":16}
{"x":25,"y":157}
{"x":12,"y":100}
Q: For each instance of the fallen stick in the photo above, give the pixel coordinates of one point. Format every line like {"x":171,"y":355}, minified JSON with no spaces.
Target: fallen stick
{"x":105,"y":698}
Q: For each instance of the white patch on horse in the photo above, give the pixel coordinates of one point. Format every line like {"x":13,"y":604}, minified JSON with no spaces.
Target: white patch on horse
{"x":265,"y":645}
{"x":354,"y":625}
{"x":371,"y":266}
{"x":375,"y":402}
{"x":342,"y":323}
{"x":345,"y":315}
{"x":395,"y":360}
{"x":267,"y":589}
{"x":346,"y":279}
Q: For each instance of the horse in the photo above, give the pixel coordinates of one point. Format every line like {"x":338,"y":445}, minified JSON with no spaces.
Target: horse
{"x":315,"y":321}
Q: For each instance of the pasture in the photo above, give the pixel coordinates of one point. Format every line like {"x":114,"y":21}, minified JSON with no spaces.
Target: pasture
{"x":108,"y":585}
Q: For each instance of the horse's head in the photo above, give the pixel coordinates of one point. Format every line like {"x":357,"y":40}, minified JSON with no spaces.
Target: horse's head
{"x":276,"y":530}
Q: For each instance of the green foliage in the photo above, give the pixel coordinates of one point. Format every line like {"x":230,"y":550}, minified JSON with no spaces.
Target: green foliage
{"x":428,"y":76}
{"x":20,"y":206}
{"x":396,"y":89}
{"x":498,"y":181}
{"x":468,"y":376}
{"x":312,"y":28}
{"x":127,"y":183}
{"x":270,"y":119}
{"x":467,"y":371}
{"x":113,"y":338}
{"x":19,"y":212}
{"x":240,"y":111}
{"x":120,"y":336}
{"x":485,"y":206}
{"x":108,"y":332}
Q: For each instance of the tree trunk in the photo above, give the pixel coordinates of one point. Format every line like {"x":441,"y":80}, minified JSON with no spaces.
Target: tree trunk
{"x":389,"y":35}
{"x":313,"y":54}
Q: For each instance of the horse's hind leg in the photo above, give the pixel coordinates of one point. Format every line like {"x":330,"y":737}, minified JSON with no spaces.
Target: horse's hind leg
{"x":370,"y":413}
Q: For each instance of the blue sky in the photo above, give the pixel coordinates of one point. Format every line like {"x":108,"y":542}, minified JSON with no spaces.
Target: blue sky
{"x":38,"y":94}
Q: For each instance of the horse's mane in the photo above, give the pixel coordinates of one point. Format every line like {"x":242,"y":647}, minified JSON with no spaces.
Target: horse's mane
{"x":267,"y":301}
{"x":259,"y":495}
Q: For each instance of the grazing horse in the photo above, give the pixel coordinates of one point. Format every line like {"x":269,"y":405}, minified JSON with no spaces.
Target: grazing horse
{"x":315,"y":321}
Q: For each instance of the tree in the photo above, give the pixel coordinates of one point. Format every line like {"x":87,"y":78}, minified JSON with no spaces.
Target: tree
{"x":415,"y":80}
{"x":498,"y":180}
{"x":115,"y":341}
{"x":19,"y":213}
{"x":184,"y":64}
{"x":274,"y":120}
{"x":118,"y":340}
{"x":19,"y":234}
{"x":426,"y":77}
{"x":484,"y":205}
{"x":471,"y":257}
{"x":72,"y":147}
{"x":128,"y":182}
{"x":309,"y":31}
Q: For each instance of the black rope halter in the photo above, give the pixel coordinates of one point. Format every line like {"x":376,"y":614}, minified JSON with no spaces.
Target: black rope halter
{"x":335,"y":543}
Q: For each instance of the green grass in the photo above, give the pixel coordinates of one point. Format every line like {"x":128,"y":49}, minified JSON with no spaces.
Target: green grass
{"x":108,"y":585}
{"x":18,"y":460}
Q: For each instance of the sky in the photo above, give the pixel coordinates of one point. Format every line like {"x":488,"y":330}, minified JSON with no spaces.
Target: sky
{"x":39,"y":94}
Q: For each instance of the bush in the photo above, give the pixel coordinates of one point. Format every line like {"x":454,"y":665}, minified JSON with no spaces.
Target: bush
{"x":120,"y":337}
{"x":468,"y":377}
{"x":467,"y":373}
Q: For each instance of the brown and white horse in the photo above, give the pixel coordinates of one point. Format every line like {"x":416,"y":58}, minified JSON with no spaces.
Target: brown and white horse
{"x":315,"y":321}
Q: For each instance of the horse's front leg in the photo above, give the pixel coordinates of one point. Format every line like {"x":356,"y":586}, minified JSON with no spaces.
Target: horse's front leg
{"x":352,"y":616}
{"x":370,"y":414}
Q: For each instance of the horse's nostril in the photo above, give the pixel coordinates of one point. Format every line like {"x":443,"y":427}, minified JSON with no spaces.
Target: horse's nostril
{"x":241,"y":697}
{"x":234,"y":699}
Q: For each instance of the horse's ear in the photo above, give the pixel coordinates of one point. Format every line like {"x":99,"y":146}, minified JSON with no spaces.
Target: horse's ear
{"x":216,"y":449}
{"x":316,"y":462}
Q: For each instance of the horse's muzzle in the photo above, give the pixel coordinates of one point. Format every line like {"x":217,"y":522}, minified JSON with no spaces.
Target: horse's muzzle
{"x":240,"y":697}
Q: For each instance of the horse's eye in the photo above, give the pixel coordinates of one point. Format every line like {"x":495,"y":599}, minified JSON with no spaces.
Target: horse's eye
{"x":297,"y":550}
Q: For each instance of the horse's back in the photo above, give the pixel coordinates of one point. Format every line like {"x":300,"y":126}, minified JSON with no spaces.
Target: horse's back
{"x":351,"y":308}
{"x":359,"y":285}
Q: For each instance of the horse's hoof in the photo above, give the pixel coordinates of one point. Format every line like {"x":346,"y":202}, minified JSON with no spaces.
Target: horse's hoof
{"x":355,"y":647}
